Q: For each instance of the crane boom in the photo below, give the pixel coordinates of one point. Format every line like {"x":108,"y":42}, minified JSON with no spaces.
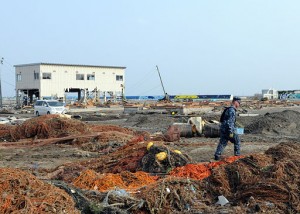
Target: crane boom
{"x":166,"y":96}
{"x":161,"y":80}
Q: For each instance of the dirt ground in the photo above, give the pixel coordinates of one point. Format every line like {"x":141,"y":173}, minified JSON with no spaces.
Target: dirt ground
{"x":99,"y":151}
{"x":200,"y":149}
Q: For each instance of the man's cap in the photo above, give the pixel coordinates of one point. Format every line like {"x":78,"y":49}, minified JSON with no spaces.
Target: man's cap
{"x":238,"y":99}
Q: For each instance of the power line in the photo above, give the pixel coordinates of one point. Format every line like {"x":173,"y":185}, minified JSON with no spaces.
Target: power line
{"x":9,"y":68}
{"x":8,"y":83}
{"x":152,"y":89}
{"x":142,"y":81}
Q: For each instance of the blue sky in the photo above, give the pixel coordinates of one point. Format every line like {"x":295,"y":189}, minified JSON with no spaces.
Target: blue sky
{"x":201,"y":47}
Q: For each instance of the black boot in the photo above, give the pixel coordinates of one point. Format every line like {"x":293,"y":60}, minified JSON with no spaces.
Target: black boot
{"x":217,"y":157}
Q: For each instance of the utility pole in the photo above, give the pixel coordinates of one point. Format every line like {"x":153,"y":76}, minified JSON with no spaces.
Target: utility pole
{"x":2,"y":59}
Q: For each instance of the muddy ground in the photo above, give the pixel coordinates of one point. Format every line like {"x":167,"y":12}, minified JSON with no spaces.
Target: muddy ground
{"x":262,"y":132}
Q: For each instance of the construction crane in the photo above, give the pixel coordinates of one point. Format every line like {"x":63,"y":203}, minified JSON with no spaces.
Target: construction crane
{"x":167,"y":98}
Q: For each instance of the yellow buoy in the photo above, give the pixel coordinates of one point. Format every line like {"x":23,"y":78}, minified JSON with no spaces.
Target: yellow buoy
{"x":161,"y":156}
{"x":177,"y":151}
{"x":149,"y":145}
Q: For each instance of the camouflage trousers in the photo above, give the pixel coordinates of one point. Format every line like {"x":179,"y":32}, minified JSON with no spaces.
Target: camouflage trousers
{"x":224,"y":138}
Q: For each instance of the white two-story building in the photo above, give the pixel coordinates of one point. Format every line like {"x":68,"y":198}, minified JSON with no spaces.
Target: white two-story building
{"x":40,"y":80}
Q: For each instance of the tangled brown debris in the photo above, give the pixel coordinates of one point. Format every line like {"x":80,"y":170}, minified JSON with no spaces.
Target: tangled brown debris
{"x":267,"y":183}
{"x":114,"y":183}
{"x":47,"y":126}
{"x":21,"y":192}
{"x":110,"y":138}
{"x":4,"y":132}
{"x":150,"y":163}
{"x":171,"y":195}
{"x":89,"y":179}
{"x":124,"y":158}
{"x":271,"y":178}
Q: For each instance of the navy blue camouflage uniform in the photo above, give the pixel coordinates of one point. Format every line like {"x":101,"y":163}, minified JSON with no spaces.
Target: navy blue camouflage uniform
{"x":227,"y":128}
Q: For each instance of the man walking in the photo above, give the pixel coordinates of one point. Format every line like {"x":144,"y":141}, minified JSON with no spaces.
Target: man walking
{"x":228,"y":130}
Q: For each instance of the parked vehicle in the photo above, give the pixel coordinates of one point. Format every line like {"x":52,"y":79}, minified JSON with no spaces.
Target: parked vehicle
{"x":42,"y":107}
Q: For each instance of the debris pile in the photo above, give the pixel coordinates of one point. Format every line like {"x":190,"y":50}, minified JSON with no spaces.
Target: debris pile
{"x":200,"y":171}
{"x":108,"y":128}
{"x":21,"y":192}
{"x":280,"y":123}
{"x":47,"y":126}
{"x":172,"y":134}
{"x":172,"y":195}
{"x":257,"y":183}
{"x":131,"y":157}
{"x":155,"y":122}
{"x":271,"y":178}
{"x":89,"y":179}
{"x":110,"y":138}
{"x":114,"y":201}
{"x":4,"y":132}
{"x":120,"y":179}
{"x":125,"y":158}
{"x":162,"y":159}
{"x":105,"y":142}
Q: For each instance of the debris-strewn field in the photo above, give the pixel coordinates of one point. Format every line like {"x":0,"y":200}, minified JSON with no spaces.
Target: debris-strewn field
{"x":139,"y":163}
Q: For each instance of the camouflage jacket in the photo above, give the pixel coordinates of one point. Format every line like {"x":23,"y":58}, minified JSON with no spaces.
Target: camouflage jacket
{"x":229,"y":119}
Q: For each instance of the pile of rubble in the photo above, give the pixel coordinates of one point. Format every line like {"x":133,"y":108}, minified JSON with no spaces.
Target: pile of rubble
{"x":132,"y":157}
{"x":47,"y":126}
{"x":272,"y":178}
{"x":266,"y":183}
{"x":21,"y":192}
{"x":135,"y":175}
{"x":279,"y":123}
{"x":91,"y":180}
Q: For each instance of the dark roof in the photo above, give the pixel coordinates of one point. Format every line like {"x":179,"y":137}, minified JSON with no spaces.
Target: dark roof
{"x":96,"y":66}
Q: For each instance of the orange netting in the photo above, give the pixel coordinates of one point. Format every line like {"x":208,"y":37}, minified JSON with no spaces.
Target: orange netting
{"x":201,"y":170}
{"x":5,"y":132}
{"x":125,"y":158}
{"x":47,"y":126}
{"x":89,"y":179}
{"x":106,"y":128}
{"x":172,"y":195}
{"x":273,"y":177}
{"x":21,"y":192}
{"x":266,"y":183}
{"x":109,"y":138}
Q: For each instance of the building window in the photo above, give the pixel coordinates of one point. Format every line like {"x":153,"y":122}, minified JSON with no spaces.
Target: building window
{"x":47,"y":76}
{"x":19,"y":77}
{"x":36,"y":75}
{"x":91,"y":77}
{"x":79,"y":76}
{"x":119,"y":77}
